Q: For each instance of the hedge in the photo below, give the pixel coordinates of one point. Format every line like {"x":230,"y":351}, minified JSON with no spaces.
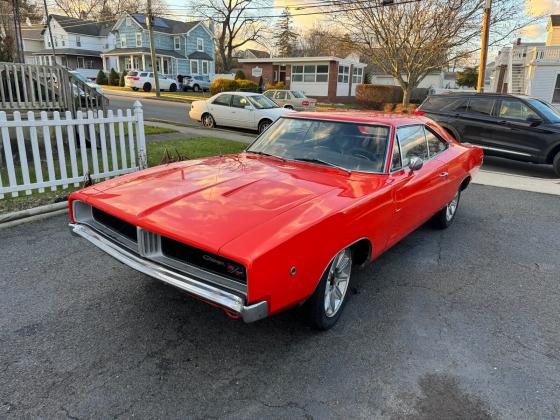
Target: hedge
{"x":381,"y":94}
{"x":113,"y":78}
{"x":228,"y":85}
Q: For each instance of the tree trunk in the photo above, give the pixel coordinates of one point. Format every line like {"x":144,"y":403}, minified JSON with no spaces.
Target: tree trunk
{"x":405,"y":98}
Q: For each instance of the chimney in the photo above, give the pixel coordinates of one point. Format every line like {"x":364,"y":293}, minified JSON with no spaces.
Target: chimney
{"x":518,"y":42}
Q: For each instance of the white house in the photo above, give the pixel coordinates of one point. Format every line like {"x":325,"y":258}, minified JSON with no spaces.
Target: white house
{"x":32,"y":42}
{"x":78,"y":43}
{"x":530,"y":68}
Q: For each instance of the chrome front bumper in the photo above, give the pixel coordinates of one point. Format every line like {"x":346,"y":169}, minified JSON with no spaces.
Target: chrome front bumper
{"x":226,"y":300}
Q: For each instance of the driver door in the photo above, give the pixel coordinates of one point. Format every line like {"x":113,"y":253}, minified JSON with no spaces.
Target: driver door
{"x":419,"y":194}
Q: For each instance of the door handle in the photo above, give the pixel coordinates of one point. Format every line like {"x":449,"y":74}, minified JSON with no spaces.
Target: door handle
{"x":444,"y":174}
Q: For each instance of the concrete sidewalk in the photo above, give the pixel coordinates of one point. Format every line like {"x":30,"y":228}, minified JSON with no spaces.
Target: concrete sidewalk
{"x":517,"y":182}
{"x":190,"y":131}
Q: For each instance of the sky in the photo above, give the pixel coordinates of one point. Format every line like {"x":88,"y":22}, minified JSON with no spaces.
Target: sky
{"x":532,"y":8}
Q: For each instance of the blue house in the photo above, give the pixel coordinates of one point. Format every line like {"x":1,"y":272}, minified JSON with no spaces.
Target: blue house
{"x":182,"y":48}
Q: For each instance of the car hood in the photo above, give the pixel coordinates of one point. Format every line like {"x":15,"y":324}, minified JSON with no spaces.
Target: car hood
{"x":210,"y":202}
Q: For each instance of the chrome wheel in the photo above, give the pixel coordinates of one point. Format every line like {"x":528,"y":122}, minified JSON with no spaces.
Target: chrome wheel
{"x":337,"y":282}
{"x":452,"y":207}
{"x":264,"y":125}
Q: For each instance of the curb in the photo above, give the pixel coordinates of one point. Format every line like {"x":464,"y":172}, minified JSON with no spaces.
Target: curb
{"x":38,"y":213}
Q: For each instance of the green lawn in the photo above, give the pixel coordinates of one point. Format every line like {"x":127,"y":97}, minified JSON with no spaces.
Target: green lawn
{"x":191,"y":148}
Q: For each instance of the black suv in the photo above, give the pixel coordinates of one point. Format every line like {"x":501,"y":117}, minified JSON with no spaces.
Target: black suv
{"x":512,"y":126}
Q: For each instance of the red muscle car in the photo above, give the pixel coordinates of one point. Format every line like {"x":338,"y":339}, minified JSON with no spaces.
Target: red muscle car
{"x":283,"y":223}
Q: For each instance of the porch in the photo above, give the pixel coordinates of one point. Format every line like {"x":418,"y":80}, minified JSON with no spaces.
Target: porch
{"x":168,"y":63}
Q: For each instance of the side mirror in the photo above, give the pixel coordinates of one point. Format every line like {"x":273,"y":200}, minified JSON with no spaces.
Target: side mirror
{"x":415,"y":163}
{"x":534,"y":121}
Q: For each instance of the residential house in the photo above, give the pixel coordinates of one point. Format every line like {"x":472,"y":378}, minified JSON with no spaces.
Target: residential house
{"x":32,"y":42}
{"x":252,"y":53}
{"x":331,"y":78}
{"x":182,"y":48}
{"x":530,"y":68}
{"x":78,"y":43}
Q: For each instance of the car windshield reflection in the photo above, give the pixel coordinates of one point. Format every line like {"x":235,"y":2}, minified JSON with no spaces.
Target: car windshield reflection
{"x":348,"y":146}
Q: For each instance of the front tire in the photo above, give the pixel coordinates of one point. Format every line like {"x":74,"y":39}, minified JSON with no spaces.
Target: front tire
{"x":196,"y":88}
{"x":173,"y":87}
{"x":147,"y":87}
{"x":135,"y":89}
{"x":556,"y":164}
{"x":263,"y":125}
{"x":326,"y":303}
{"x":208,"y":121}
{"x":445,"y":217}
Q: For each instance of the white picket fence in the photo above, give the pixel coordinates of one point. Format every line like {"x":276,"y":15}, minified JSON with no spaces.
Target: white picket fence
{"x":90,"y":144}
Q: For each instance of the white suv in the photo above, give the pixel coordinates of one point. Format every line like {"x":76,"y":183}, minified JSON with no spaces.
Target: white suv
{"x":145,"y":80}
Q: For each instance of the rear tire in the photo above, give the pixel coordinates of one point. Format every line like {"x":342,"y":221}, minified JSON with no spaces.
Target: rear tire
{"x":445,"y":217}
{"x":173,"y":87}
{"x":147,"y":87}
{"x":196,"y":88}
{"x":325,"y":305}
{"x":135,"y":89}
{"x":263,"y":125}
{"x":556,"y":164}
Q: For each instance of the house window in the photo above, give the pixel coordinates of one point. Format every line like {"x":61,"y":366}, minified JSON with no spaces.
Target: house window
{"x":357,"y":75}
{"x":63,"y":41}
{"x":138,"y":39}
{"x":194,"y":67}
{"x":78,"y":41}
{"x":205,"y":67}
{"x":128,"y":21}
{"x":177,"y":42}
{"x":310,"y":73}
{"x":199,"y":44}
{"x":123,"y":41}
{"x":127,"y":63}
{"x":56,"y":41}
{"x":81,"y":62}
{"x":556,"y":94}
{"x":343,"y":72}
{"x":49,"y":42}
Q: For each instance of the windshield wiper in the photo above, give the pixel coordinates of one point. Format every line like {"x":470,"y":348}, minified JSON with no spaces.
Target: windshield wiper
{"x":264,"y":154}
{"x":323,"y":162}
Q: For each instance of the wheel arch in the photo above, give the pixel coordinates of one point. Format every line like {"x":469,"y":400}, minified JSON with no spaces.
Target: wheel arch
{"x":465,"y":183}
{"x":550,"y":157}
{"x":452,"y":131}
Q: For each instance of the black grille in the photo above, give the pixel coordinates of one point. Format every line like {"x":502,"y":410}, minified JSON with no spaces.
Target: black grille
{"x":116,"y":224}
{"x":205,"y":260}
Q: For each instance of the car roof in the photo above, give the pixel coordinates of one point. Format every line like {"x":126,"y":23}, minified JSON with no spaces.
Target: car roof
{"x":369,"y":117}
{"x":483,"y":94}
{"x":239,"y":93}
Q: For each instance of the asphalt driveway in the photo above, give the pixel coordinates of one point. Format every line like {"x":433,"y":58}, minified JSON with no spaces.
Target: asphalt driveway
{"x":447,"y":324}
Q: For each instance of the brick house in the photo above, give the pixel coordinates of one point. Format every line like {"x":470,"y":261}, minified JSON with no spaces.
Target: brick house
{"x":331,"y":78}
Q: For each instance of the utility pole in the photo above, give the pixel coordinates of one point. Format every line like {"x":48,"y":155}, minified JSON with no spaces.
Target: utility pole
{"x":484,"y":46}
{"x":50,"y":31}
{"x":152,"y":47}
{"x":17,"y":26}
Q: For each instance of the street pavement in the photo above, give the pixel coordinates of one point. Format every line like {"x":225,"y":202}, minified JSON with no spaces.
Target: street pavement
{"x":460,"y":323}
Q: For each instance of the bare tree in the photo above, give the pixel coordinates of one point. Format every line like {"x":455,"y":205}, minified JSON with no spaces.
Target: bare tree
{"x":322,"y":39}
{"x":410,"y":39}
{"x":105,"y":9}
{"x":236,"y":22}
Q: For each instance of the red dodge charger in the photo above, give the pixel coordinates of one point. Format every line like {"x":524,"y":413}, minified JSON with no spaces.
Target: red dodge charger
{"x":284,"y":222}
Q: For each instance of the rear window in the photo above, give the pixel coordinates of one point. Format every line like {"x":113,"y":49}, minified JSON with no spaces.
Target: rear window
{"x":481,"y":106}
{"x":443,"y":103}
{"x":143,"y":74}
{"x":132,"y":73}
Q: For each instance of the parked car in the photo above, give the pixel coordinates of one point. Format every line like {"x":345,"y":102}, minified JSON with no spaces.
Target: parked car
{"x":196,"y":83}
{"x":87,"y":81}
{"x":145,"y":80}
{"x":237,"y":109}
{"x":291,"y":99}
{"x":283,"y":223}
{"x":511,"y":126}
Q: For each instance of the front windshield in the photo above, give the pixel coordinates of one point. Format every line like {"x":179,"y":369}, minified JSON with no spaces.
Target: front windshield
{"x":298,"y":94}
{"x":549,"y":112}
{"x":79,"y":76}
{"x":261,"y":102}
{"x":351,"y":146}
